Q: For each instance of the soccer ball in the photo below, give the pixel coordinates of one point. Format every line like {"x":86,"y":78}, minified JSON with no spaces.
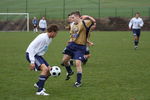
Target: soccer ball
{"x":55,"y":71}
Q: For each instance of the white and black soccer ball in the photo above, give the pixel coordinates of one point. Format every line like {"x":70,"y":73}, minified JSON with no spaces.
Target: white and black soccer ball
{"x":55,"y":71}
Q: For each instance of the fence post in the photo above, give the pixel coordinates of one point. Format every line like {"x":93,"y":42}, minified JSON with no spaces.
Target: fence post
{"x":116,"y":12}
{"x":81,"y":10}
{"x":45,"y":13}
{"x":132,"y":12}
{"x":7,"y":15}
{"x":149,"y":13}
{"x":26,"y":6}
{"x":99,"y":9}
{"x":64,"y":9}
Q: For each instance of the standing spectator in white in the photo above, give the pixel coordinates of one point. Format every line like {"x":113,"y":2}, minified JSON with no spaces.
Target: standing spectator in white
{"x":43,"y":24}
{"x":135,"y":24}
{"x":35,"y":24}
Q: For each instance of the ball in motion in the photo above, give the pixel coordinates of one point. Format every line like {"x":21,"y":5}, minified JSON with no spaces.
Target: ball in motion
{"x":55,"y":71}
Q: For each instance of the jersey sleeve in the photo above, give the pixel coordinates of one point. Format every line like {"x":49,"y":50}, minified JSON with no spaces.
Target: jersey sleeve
{"x":141,"y":23}
{"x":130,"y":23}
{"x":45,"y":24}
{"x":34,"y":48}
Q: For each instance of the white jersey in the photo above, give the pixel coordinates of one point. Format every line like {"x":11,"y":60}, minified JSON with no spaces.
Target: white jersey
{"x":38,"y":46}
{"x":42,"y":24}
{"x":136,"y":23}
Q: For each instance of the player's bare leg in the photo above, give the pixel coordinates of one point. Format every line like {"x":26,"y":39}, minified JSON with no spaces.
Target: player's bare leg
{"x":79,"y":73}
{"x":65,"y":62}
{"x":136,"y":41}
{"x":42,"y":79}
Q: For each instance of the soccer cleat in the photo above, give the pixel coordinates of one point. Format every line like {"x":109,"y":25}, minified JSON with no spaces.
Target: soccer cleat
{"x":85,"y":61}
{"x":71,"y":63}
{"x":135,"y":47}
{"x":76,"y":84}
{"x":42,"y":93}
{"x":36,"y":86}
{"x":68,"y":75}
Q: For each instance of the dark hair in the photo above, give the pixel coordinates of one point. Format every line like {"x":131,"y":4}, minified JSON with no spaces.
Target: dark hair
{"x":69,"y":15}
{"x":52,"y":28}
{"x":76,"y":13}
{"x":137,"y":13}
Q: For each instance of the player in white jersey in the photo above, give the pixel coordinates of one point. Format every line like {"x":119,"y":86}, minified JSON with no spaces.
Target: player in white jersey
{"x":43,"y":24}
{"x":34,"y":53}
{"x":136,"y":23}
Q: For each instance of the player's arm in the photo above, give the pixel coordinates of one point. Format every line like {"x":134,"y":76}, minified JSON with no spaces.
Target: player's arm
{"x":33,"y":51}
{"x":89,"y":43}
{"x":130,"y":23}
{"x":45,"y":24}
{"x":67,"y":27}
{"x":86,"y":17}
{"x":91,"y":18}
{"x":141,"y":23}
{"x":32,"y":59}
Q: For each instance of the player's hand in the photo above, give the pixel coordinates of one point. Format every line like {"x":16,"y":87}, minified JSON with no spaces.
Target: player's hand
{"x":90,"y":43}
{"x":93,"y":27}
{"x":32,"y":66}
{"x":139,"y":25}
{"x":130,"y":28}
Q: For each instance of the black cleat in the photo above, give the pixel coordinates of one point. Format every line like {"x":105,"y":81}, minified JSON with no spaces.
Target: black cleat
{"x":85,"y":61}
{"x":68,"y":75}
{"x":71,"y":63}
{"x":76,"y":84}
{"x":135,"y":47}
{"x":62,"y":64}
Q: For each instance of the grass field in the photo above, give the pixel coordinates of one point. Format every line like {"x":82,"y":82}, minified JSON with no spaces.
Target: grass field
{"x":54,"y":8}
{"x":114,"y":72}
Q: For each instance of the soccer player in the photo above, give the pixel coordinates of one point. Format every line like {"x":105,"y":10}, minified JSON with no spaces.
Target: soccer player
{"x":35,"y":24}
{"x":43,"y":24}
{"x":34,"y":53}
{"x":76,"y":48}
{"x":89,"y":43}
{"x":135,"y":24}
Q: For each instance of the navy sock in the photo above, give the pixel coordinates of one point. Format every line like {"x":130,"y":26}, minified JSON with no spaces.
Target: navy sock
{"x":136,"y":42}
{"x":41,"y":82}
{"x":68,"y":68}
{"x":79,"y":77}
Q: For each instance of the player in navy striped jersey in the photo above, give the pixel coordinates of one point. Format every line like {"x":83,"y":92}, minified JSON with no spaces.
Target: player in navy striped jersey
{"x":34,"y":53}
{"x":89,"y":43}
{"x":136,"y":23}
{"x":76,"y":48}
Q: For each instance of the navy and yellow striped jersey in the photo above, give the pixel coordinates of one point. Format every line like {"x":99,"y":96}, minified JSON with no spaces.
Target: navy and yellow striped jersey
{"x":79,"y":32}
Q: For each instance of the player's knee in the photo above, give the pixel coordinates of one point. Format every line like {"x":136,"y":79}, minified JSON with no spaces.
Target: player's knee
{"x":44,"y":68}
{"x":64,"y":62}
{"x":78,"y":63}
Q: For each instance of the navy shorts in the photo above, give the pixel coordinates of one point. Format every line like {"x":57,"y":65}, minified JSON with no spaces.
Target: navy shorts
{"x":136,"y":32}
{"x":42,"y":29}
{"x":34,"y":26}
{"x":76,"y":51}
{"x":39,"y":60}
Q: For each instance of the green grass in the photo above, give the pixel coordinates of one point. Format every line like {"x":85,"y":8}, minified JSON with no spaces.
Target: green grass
{"x":53,"y":9}
{"x":114,"y":72}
